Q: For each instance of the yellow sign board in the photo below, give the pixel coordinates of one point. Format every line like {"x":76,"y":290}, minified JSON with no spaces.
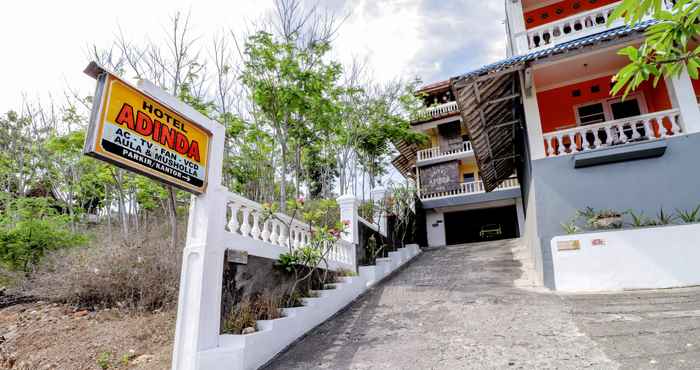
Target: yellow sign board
{"x":568,"y":245}
{"x":137,"y":132}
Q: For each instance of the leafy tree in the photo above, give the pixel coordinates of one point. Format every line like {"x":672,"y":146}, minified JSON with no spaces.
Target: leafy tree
{"x":666,"y":49}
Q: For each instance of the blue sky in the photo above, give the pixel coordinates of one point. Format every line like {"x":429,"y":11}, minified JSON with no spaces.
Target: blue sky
{"x":430,"y":39}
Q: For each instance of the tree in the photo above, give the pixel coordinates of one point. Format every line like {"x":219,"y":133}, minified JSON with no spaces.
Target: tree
{"x":290,"y":88}
{"x":666,"y":49}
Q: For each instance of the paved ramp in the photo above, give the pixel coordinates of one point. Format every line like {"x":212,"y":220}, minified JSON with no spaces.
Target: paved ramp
{"x":451,"y":308}
{"x":458,"y":307}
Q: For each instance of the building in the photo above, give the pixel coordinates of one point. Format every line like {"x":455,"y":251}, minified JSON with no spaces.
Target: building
{"x":518,"y":146}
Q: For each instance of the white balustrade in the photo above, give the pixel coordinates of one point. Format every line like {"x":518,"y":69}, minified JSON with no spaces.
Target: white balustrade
{"x":437,"y":111}
{"x":652,"y":126}
{"x":569,"y":28}
{"x":466,"y":188}
{"x":246,"y":218}
{"x":436,"y":153}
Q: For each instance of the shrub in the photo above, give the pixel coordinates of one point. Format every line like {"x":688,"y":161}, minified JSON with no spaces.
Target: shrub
{"x":689,"y":217}
{"x":29,"y":228}
{"x":140,"y":273}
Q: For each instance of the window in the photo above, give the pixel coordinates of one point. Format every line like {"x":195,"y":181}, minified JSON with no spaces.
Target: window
{"x":590,"y":114}
{"x":610,"y":109}
{"x":468,"y":177}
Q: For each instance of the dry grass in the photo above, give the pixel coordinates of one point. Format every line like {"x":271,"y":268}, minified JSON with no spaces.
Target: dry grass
{"x":140,"y":273}
{"x":265,"y":306}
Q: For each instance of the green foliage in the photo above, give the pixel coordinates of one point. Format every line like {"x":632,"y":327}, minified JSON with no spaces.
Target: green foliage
{"x":571,"y":227}
{"x":639,"y":220}
{"x":104,"y":360}
{"x":29,"y":228}
{"x":667,"y":48}
{"x":689,"y":216}
{"x":663,"y":218}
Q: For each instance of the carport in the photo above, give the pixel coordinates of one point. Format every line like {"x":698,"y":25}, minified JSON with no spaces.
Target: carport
{"x":480,"y":225}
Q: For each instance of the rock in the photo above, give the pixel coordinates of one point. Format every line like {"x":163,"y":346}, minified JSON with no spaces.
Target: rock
{"x":142,"y":359}
{"x":248,"y":330}
{"x":81,"y":313}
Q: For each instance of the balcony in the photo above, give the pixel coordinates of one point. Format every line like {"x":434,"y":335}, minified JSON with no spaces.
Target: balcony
{"x":435,"y":155}
{"x":470,"y":188}
{"x":567,"y":29}
{"x":437,"y":111}
{"x":647,"y":127}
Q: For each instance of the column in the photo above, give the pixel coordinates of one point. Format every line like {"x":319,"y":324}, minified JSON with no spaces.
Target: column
{"x":533,"y":122}
{"x":348,"y":215}
{"x":521,"y":216}
{"x":682,"y":95}
{"x":199,"y":302}
{"x":516,"y":26}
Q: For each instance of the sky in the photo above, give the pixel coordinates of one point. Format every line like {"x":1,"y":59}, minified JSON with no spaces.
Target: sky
{"x":45,"y":43}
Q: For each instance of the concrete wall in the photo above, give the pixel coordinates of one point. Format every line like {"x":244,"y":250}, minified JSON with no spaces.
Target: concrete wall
{"x":435,"y":226}
{"x":654,"y":258}
{"x":670,"y":181}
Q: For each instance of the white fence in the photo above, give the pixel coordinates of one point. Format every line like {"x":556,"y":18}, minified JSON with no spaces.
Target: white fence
{"x":652,"y":126}
{"x":474,"y":187}
{"x":569,"y":28}
{"x":437,"y":111}
{"x":436,"y":153}
{"x":249,"y":229}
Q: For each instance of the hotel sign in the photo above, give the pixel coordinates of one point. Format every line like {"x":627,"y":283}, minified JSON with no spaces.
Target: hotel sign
{"x":133,"y":130}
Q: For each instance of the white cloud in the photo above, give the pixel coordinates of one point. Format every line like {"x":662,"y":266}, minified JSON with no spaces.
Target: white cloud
{"x":45,"y":42}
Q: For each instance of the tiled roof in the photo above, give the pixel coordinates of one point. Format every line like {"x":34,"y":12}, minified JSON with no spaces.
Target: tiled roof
{"x":564,"y":47}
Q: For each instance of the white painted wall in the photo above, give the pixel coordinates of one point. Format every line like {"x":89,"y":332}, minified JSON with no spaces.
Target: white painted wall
{"x":251,"y":351}
{"x":435,"y":225}
{"x":658,"y":257}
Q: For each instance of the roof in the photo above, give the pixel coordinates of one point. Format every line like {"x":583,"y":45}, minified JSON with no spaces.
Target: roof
{"x":435,"y":86}
{"x":561,"y":48}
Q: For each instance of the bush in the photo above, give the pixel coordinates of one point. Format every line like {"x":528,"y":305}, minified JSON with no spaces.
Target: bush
{"x":141,"y":273}
{"x":29,"y":228}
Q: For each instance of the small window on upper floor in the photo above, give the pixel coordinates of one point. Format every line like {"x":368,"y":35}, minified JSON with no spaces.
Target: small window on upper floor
{"x":590,"y":114}
{"x":468,"y":177}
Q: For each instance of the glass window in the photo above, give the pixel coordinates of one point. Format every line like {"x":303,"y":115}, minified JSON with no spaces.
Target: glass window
{"x":468,"y":177}
{"x":590,"y":114}
{"x":624,"y":109}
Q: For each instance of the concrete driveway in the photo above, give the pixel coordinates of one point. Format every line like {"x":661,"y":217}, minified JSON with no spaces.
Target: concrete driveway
{"x":457,"y":308}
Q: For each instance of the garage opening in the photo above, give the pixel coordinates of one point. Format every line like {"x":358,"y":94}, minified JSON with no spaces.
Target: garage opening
{"x":481,"y":225}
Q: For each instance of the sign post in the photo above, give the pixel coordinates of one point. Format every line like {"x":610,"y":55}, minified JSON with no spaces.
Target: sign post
{"x":146,"y":130}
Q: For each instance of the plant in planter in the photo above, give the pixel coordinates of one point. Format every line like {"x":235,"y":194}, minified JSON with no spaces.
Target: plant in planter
{"x":571,"y":227}
{"x":663,"y":218}
{"x":603,"y":219}
{"x":307,"y":262}
{"x":689,"y":217}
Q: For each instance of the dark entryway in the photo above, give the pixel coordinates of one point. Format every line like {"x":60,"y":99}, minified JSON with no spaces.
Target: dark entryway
{"x":481,"y":225}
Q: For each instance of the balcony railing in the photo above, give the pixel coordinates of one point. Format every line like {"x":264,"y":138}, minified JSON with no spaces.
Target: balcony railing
{"x":567,"y":29}
{"x":437,"y":111}
{"x":436,"y":153}
{"x":467,"y":188}
{"x":652,"y":126}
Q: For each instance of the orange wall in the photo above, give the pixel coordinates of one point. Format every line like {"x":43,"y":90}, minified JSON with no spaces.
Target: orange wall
{"x":696,"y":87}
{"x":561,"y":10}
{"x":557,"y":105}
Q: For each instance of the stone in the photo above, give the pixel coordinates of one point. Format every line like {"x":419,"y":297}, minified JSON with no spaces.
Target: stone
{"x":142,"y":359}
{"x":81,"y":313}
{"x":248,"y":330}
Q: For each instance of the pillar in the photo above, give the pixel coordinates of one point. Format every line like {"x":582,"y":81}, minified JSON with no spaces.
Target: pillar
{"x":348,"y":214}
{"x":199,"y":303}
{"x":680,"y":90}
{"x":533,"y":122}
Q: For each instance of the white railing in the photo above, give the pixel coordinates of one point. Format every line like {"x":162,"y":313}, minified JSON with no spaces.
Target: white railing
{"x":435,"y":152}
{"x":246,"y":218}
{"x":569,"y":28}
{"x":437,"y":111}
{"x":652,"y":126}
{"x":474,"y":187}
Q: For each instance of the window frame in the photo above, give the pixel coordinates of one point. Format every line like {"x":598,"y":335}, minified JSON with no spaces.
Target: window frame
{"x":607,"y":109}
